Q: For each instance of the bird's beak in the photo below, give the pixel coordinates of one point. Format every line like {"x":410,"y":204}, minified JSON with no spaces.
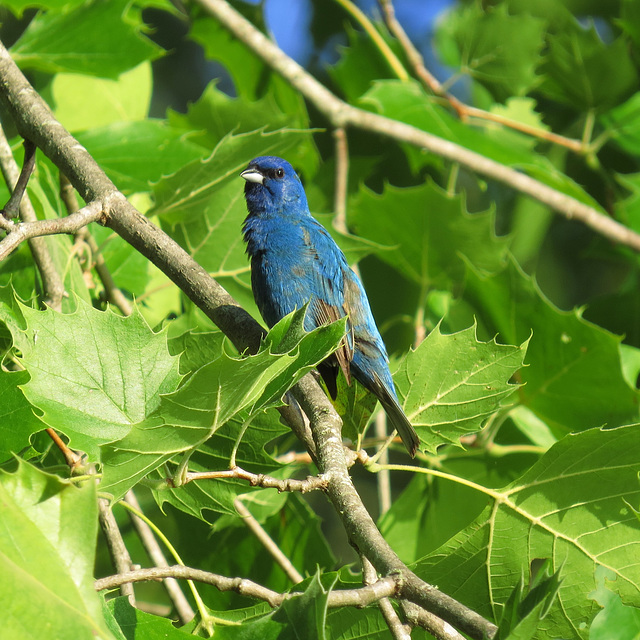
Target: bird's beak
{"x":252,"y":175}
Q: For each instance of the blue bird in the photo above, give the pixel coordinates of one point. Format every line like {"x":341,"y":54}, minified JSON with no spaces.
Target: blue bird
{"x":294,"y":261}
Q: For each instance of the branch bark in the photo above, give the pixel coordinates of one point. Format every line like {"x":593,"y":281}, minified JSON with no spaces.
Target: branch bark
{"x":384,"y":588}
{"x":35,"y":121}
{"x":52,"y":283}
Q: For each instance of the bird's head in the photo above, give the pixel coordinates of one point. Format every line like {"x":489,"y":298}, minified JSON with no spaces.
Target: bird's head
{"x":273,"y":186}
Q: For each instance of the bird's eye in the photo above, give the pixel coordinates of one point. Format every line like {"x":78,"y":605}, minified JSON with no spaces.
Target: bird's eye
{"x":280,"y":173}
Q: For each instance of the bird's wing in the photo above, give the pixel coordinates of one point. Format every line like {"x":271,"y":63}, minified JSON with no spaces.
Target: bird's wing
{"x":330,"y":274}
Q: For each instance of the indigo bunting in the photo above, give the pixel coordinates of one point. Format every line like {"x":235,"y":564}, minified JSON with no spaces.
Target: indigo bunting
{"x":294,"y":261}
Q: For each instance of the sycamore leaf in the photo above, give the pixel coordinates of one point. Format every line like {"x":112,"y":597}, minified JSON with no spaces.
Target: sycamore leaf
{"x":564,"y":384}
{"x":451,"y":384}
{"x":572,"y":507}
{"x":496,"y":48}
{"x":74,"y":40}
{"x":425,"y":231}
{"x":216,"y":393}
{"x":94,"y":374}
{"x":48,"y":534}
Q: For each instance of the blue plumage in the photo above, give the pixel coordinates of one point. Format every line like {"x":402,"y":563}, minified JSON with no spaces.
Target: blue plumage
{"x":294,"y":261}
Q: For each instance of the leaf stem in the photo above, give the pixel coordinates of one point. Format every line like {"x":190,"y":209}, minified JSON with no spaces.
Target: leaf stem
{"x":392,"y":60}
{"x":207,"y":620}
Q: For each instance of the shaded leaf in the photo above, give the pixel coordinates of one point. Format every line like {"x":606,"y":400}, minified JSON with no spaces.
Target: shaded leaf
{"x":426,"y":231}
{"x":564,"y":383}
{"x":570,"y":507}
{"x":582,"y":71}
{"x":498,"y":49}
{"x":136,"y":154}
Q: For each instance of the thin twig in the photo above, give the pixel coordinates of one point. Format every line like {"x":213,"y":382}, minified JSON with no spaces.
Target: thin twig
{"x":463,"y":110}
{"x":73,"y":459}
{"x":342,"y":114}
{"x":267,"y":542}
{"x":384,"y":588}
{"x":392,"y":60}
{"x":52,"y":283}
{"x":398,"y":630}
{"x":437,"y":627}
{"x":113,"y":292}
{"x":310,"y":483}
{"x":342,"y":177}
{"x":19,"y":232}
{"x":383,"y":480}
{"x":153,"y":549}
{"x":12,"y":208}
{"x":117,"y":548}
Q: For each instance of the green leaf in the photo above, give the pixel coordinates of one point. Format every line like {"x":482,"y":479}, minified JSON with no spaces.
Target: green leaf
{"x":211,"y":231}
{"x":216,"y":114}
{"x":526,"y":607}
{"x":17,"y":420}
{"x":94,"y":374}
{"x":202,"y":498}
{"x":85,"y":103}
{"x":360,"y":64}
{"x":17,"y":7}
{"x":408,"y":102}
{"x":496,"y":48}
{"x":48,"y":534}
{"x":628,"y":209}
{"x":570,"y":507}
{"x":213,"y":395}
{"x":580,"y":70}
{"x":136,"y":154}
{"x":191,"y":192}
{"x":564,"y":383}
{"x":308,"y":610}
{"x":623,"y":124}
{"x":451,"y":384}
{"x":616,"y":621}
{"x":294,"y":527}
{"x":135,"y":623}
{"x":630,"y":20}
{"x":74,"y":41}
{"x":196,"y":348}
{"x":428,"y":231}
{"x":258,"y":88}
{"x":130,"y":270}
{"x":355,"y":405}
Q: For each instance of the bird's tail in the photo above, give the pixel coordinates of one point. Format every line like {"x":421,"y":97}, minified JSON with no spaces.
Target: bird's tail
{"x":399,"y":421}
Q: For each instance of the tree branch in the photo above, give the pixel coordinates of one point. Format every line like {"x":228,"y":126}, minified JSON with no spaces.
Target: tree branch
{"x":52,"y":283}
{"x":398,"y":630}
{"x":342,"y":114}
{"x":310,"y":483}
{"x":35,"y":121}
{"x":21,"y":231}
{"x":362,"y":597}
{"x":267,"y":542}
{"x":117,"y":548}
{"x":463,"y":110}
